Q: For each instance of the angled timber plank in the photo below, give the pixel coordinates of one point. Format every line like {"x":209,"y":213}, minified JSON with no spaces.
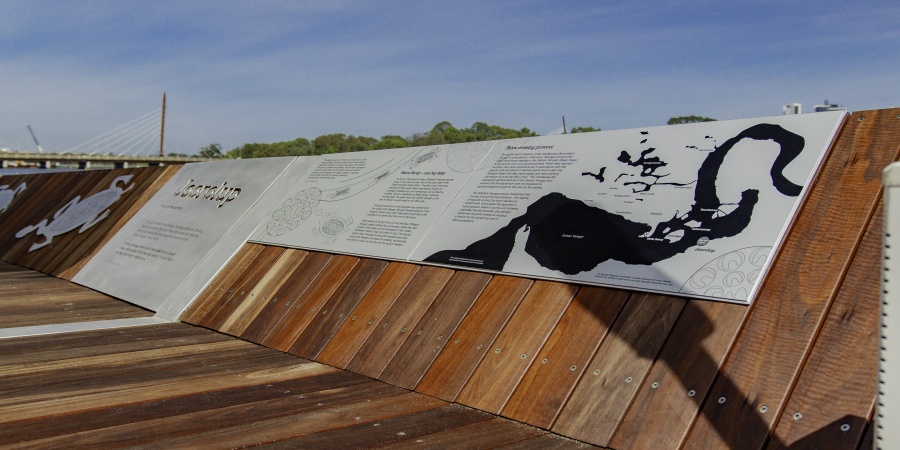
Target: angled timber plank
{"x":259,"y":294}
{"x":669,"y":400}
{"x":768,"y":354}
{"x":166,"y":432}
{"x":239,"y":291}
{"x":471,"y":341}
{"x":432,"y":332}
{"x":614,"y":375}
{"x":488,"y":434}
{"x":407,"y":309}
{"x":515,"y":348}
{"x":367,"y":314}
{"x":209,"y":299}
{"x":284,"y":299}
{"x":836,"y":391}
{"x":301,"y":416}
{"x":387,"y":432}
{"x":157,"y":381}
{"x":559,"y":365}
{"x":180,"y":403}
{"x":338,"y":308}
{"x":310,"y":304}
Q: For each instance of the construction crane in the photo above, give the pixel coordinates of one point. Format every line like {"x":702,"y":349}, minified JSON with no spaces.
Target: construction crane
{"x":40,"y":149}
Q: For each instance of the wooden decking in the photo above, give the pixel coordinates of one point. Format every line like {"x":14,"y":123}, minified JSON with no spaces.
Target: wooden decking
{"x":605,"y":366}
{"x":181,"y":386}
{"x":334,"y":350}
{"x":33,"y":299}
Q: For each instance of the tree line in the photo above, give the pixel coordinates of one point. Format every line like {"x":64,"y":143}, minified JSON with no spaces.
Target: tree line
{"x":442,"y":133}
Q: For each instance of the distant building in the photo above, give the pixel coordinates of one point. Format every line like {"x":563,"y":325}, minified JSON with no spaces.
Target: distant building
{"x":797,"y":108}
{"x":792,"y":108}
{"x":829,"y":107}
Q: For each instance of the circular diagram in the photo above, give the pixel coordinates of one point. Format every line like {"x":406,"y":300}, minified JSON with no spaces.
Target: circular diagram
{"x":730,"y":276}
{"x":468,"y":158}
{"x":293,"y":211}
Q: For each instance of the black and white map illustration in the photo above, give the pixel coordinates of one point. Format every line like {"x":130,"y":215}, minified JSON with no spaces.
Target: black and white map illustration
{"x":656,"y":209}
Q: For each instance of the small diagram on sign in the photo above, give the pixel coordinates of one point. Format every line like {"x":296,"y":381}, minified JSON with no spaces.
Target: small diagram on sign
{"x":332,"y":225}
{"x":729,"y":276}
{"x":294,"y":210}
{"x":469,"y":158}
{"x":7,"y":195}
{"x":78,"y":213}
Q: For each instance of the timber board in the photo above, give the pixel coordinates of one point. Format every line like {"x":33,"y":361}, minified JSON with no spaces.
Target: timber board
{"x":283,"y":300}
{"x":176,"y":385}
{"x":278,"y":274}
{"x":29,"y":298}
{"x":368,"y":313}
{"x":559,"y":365}
{"x":516,"y":346}
{"x":667,"y":402}
{"x":384,"y":341}
{"x":237,"y":294}
{"x":219,"y":286}
{"x":618,"y":368}
{"x":768,"y":354}
{"x":310,"y":304}
{"x":429,"y":336}
{"x":836,"y":389}
{"x":448,"y":374}
{"x":338,"y":308}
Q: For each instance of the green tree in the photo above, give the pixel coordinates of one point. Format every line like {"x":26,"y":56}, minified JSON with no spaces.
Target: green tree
{"x":688,"y":119}
{"x":211,"y":151}
{"x":583,"y":130}
{"x":390,"y":141}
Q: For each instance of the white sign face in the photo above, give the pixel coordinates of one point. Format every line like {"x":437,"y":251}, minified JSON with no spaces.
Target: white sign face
{"x":694,"y":209}
{"x":167,"y":242}
{"x":376,"y":203}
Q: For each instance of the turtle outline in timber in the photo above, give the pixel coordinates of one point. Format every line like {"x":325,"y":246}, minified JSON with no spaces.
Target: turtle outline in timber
{"x":78,"y":213}
{"x":7,"y":195}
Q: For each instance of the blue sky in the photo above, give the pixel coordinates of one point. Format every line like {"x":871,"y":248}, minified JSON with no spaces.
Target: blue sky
{"x":265,"y":71}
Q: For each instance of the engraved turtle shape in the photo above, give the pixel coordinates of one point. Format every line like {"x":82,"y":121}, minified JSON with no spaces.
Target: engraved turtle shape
{"x":7,"y":195}
{"x":78,"y":213}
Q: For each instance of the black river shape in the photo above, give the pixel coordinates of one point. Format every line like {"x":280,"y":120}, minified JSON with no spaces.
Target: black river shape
{"x":569,"y":236}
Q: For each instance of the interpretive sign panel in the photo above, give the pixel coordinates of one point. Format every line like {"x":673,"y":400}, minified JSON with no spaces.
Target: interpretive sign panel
{"x":376,"y":203}
{"x":696,"y":209}
{"x":168,"y":240}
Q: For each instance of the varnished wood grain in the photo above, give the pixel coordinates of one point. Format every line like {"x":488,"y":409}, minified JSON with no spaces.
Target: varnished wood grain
{"x":683,"y":373}
{"x":30,"y":298}
{"x":488,"y":434}
{"x":618,"y":369}
{"x":281,"y":302}
{"x":517,"y":345}
{"x":432,"y":332}
{"x":764,"y":362}
{"x":218,"y":288}
{"x":239,"y":292}
{"x":456,"y":363}
{"x":338,"y":308}
{"x":395,"y":326}
{"x":309,"y":305}
{"x":254,"y":302}
{"x":367,"y":315}
{"x":838,"y":383}
{"x":559,"y":365}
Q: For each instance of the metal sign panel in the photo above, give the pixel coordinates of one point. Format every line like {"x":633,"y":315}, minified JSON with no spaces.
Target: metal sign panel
{"x":376,"y":203}
{"x":167,"y":243}
{"x":696,"y":209}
